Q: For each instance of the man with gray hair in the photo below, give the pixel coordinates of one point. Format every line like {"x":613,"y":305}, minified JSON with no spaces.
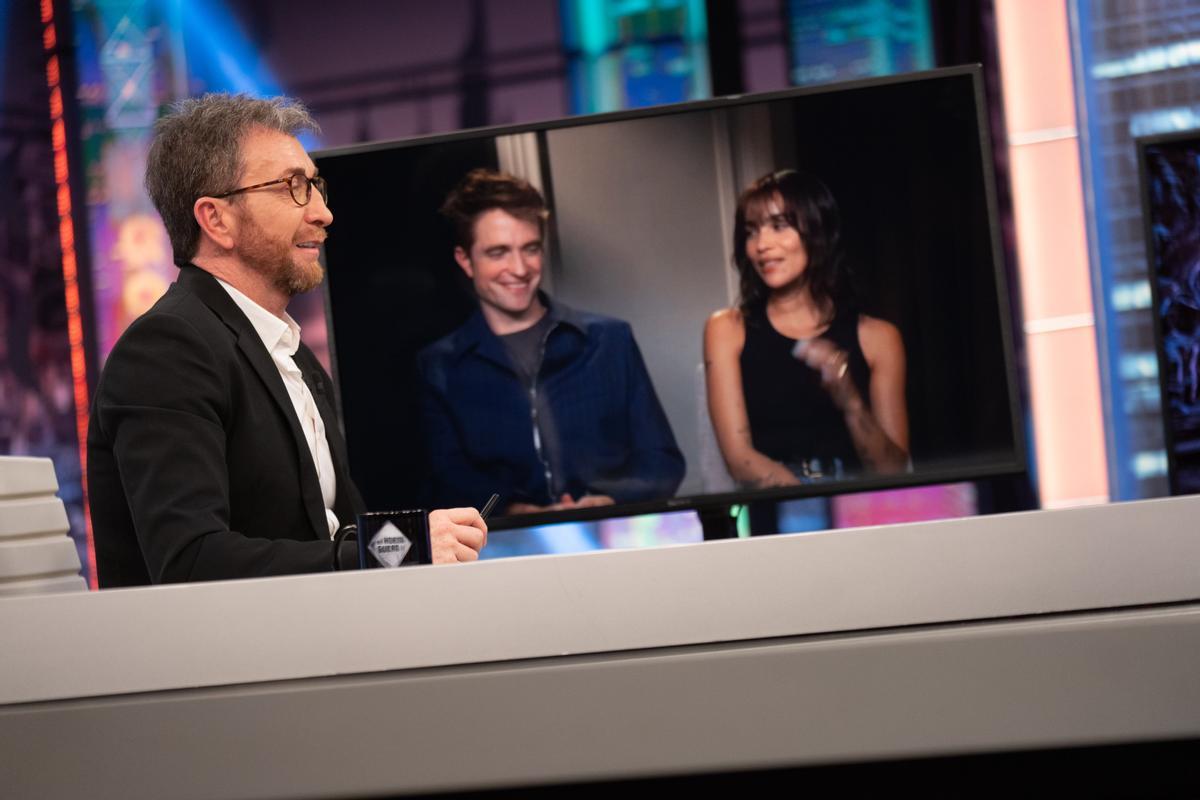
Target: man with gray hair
{"x":213,"y":446}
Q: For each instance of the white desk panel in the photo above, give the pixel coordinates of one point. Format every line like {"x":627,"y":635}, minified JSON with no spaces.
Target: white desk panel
{"x":1065,"y":680}
{"x":244,"y":632}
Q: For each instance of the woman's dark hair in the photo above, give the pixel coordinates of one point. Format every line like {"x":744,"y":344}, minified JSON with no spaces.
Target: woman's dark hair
{"x":808,"y":206}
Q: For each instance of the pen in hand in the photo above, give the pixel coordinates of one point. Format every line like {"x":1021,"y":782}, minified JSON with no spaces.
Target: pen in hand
{"x":489,"y":505}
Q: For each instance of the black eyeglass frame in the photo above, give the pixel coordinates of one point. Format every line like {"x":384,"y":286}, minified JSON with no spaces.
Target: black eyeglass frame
{"x":309,"y":183}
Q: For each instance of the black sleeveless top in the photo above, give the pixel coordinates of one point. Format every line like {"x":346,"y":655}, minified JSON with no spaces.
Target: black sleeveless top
{"x":792,"y":418}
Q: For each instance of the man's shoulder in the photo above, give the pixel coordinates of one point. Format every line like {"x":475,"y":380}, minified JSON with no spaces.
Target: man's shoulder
{"x":177,"y":308}
{"x":590,"y":322}
{"x":602,"y":330}
{"x":442,"y":347}
{"x":174,"y":356}
{"x":593,"y":319}
{"x":178,"y":327}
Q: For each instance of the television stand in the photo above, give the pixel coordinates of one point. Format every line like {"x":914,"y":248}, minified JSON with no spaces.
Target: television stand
{"x":718,"y":521}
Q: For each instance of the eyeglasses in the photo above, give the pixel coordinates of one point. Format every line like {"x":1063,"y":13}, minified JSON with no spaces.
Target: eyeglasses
{"x":299,"y":185}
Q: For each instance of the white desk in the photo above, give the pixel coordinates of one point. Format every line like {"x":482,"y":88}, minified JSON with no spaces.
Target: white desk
{"x":1045,"y":629}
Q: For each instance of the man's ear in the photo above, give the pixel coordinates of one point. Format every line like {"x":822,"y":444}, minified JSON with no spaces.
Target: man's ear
{"x":464,"y":261}
{"x":215,"y":221}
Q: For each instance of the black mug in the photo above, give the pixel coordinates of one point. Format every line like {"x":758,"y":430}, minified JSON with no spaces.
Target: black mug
{"x":393,"y":539}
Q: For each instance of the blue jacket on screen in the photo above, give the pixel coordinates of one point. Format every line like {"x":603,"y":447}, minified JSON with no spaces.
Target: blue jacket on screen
{"x":591,"y":424}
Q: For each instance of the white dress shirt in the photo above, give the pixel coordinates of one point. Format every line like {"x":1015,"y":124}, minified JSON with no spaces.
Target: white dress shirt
{"x":281,"y":337}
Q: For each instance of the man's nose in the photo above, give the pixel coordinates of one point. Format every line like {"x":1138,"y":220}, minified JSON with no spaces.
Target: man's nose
{"x":317,"y":212}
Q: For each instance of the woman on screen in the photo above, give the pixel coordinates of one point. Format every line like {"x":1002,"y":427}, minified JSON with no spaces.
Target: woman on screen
{"x":801,"y":386}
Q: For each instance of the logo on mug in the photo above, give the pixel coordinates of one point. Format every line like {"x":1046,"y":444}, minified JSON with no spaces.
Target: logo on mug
{"x":389,"y":546}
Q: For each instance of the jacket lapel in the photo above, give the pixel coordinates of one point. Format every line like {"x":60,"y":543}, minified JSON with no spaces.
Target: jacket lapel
{"x":477,"y":338}
{"x":348,"y":502}
{"x":216,"y":298}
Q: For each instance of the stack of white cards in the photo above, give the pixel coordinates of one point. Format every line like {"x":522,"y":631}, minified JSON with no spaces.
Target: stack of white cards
{"x":36,"y":554}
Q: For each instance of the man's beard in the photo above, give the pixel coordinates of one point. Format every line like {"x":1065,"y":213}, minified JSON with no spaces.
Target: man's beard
{"x":277,"y":262}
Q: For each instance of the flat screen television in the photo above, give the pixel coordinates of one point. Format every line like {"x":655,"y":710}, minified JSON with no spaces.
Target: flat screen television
{"x":1170,"y":178}
{"x":634,"y":254}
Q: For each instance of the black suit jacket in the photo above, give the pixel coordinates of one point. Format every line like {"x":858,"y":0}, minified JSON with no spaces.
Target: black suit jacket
{"x":197,"y":465}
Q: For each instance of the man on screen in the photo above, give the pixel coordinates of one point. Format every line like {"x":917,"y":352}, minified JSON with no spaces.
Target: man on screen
{"x":549,"y":406}
{"x":213,"y":446}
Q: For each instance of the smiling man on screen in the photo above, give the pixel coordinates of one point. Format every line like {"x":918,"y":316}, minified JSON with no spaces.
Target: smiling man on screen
{"x":213,"y":447}
{"x":549,"y":406}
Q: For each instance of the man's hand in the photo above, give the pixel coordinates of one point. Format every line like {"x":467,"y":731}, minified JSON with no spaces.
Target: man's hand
{"x":593,"y":500}
{"x":565,"y":502}
{"x":456,"y":534}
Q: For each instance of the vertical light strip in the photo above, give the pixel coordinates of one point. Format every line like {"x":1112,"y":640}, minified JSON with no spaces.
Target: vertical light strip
{"x":66,"y":237}
{"x":1049,"y":211}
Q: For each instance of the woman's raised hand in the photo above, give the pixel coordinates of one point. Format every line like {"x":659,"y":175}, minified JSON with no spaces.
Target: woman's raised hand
{"x":834,"y":366}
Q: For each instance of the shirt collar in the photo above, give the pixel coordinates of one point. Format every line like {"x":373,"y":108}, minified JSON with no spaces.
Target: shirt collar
{"x":475,"y":335}
{"x":561,"y":312}
{"x":477,"y":329}
{"x":273,"y":331}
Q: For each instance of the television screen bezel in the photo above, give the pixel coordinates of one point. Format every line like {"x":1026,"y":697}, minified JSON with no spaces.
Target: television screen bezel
{"x":1016,"y":465}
